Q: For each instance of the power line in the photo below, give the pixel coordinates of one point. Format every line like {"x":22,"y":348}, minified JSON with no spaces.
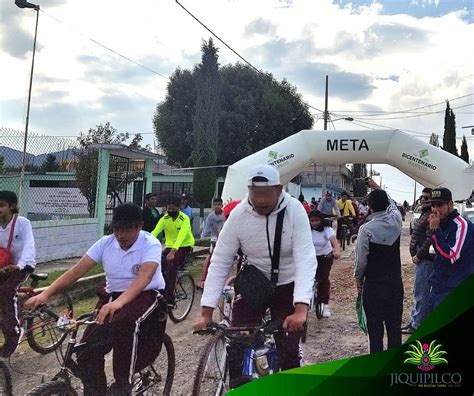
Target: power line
{"x":105,"y":47}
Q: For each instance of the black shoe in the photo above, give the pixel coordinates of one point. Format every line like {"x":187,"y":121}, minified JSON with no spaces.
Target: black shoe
{"x":409,"y":330}
{"x":406,"y":327}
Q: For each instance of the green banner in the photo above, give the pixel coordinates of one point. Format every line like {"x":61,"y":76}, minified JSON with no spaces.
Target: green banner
{"x":437,"y":359}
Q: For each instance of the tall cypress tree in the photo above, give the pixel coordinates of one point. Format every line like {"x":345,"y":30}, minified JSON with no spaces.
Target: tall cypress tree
{"x":449,"y":137}
{"x":206,"y":125}
{"x":464,"y":151}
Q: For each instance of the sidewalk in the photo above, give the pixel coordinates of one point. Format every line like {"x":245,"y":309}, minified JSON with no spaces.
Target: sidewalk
{"x":65,"y":264}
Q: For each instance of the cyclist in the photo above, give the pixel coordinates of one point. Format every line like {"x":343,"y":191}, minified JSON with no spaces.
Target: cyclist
{"x":347,"y":211}
{"x":251,"y":227}
{"x":17,"y":259}
{"x":179,"y":242}
{"x":328,"y":206}
{"x":131,"y":311}
{"x":327,"y":249}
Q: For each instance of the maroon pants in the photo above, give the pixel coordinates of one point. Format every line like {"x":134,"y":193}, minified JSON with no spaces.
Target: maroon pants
{"x":170,"y":270}
{"x":281,"y":306}
{"x":322,"y":277}
{"x":135,"y":335}
{"x":10,"y":325}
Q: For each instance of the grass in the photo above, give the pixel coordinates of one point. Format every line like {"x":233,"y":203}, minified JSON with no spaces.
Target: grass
{"x":53,"y":275}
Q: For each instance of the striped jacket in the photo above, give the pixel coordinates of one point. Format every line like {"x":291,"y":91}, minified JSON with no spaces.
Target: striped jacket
{"x":454,"y":246}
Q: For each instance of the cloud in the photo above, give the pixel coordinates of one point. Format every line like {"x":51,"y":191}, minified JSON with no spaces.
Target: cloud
{"x":342,"y":84}
{"x":259,"y":26}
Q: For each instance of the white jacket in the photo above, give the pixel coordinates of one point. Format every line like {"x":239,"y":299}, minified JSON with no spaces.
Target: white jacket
{"x":246,"y":229}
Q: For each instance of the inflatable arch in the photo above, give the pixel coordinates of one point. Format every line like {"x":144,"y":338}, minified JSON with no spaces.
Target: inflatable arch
{"x":428,"y":165}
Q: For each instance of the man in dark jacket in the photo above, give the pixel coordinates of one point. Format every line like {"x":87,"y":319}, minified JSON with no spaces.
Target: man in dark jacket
{"x":378,"y":271}
{"x":453,"y":241}
{"x":420,"y":243}
{"x":151,"y":216}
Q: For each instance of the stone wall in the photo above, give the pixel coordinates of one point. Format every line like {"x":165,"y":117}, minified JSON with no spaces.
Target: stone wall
{"x":61,"y":239}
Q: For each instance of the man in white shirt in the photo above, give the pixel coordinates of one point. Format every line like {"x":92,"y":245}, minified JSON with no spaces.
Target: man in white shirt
{"x":17,"y":260}
{"x":251,"y":227}
{"x":131,"y":310}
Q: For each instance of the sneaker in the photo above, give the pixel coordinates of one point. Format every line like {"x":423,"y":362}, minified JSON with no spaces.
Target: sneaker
{"x":326,"y":311}
{"x":409,"y":330}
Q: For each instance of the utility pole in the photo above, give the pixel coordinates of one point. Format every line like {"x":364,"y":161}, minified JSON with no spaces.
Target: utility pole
{"x":414,"y":196}
{"x":326,"y":117}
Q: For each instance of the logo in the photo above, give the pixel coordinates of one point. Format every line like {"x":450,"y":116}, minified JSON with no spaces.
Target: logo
{"x":278,"y":160}
{"x":420,"y":160}
{"x":425,"y":356}
{"x":135,"y":269}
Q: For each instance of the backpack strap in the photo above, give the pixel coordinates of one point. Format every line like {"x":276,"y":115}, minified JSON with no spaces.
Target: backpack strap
{"x":12,"y":230}
{"x":276,"y":248}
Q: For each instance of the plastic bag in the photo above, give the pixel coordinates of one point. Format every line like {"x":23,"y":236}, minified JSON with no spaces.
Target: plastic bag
{"x":361,"y":314}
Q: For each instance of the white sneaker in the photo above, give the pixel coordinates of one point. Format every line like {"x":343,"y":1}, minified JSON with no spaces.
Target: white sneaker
{"x":326,"y":311}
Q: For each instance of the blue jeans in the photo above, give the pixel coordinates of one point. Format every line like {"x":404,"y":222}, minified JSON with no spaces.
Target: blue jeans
{"x":421,"y":291}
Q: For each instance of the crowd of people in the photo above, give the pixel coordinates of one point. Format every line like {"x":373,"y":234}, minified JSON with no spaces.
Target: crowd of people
{"x":290,"y":243}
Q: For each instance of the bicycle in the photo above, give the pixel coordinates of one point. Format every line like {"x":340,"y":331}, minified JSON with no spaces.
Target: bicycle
{"x":5,"y":380}
{"x":346,"y":233}
{"x":39,"y":326}
{"x":148,"y":381}
{"x":260,"y":355}
{"x":184,"y":293}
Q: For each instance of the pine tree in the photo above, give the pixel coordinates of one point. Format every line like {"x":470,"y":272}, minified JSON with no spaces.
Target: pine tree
{"x":50,"y":164}
{"x":464,"y":151}
{"x":449,"y":137}
{"x":206,"y":125}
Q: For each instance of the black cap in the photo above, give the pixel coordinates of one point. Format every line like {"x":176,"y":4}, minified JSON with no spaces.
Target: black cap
{"x":440,"y":195}
{"x":126,"y":215}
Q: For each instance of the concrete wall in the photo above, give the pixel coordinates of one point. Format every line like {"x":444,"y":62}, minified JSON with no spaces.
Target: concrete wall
{"x":60,"y":239}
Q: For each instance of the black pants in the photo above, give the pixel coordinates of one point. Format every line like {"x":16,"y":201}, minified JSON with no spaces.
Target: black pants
{"x":383,"y":305}
{"x":135,"y":335}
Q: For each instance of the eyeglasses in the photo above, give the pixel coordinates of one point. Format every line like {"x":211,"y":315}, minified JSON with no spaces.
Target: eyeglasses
{"x":424,"y":197}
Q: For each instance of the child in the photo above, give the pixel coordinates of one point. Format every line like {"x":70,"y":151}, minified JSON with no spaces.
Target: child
{"x":17,"y":261}
{"x":327,"y":248}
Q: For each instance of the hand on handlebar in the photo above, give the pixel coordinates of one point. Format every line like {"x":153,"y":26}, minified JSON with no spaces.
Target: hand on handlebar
{"x":36,"y":301}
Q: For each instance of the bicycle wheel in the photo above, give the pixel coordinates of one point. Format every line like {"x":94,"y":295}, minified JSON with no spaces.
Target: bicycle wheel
{"x":319,"y":308}
{"x":41,"y":331}
{"x":343,"y":239}
{"x":212,"y":375}
{"x":56,"y":388}
{"x":157,"y":379}
{"x":184,"y":298}
{"x":5,"y":380}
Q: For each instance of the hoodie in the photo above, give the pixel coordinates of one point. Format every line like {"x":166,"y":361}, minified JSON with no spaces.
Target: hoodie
{"x":247,"y":230}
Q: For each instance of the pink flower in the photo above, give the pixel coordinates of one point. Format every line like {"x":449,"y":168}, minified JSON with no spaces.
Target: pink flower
{"x":426,"y":347}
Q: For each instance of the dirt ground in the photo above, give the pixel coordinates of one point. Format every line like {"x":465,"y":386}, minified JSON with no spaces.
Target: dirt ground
{"x":328,"y":339}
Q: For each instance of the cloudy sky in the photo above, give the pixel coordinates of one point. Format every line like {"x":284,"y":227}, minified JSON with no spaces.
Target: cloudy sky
{"x":382,"y":57}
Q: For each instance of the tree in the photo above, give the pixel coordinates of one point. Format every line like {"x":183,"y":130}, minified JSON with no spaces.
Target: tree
{"x":256,"y":111}
{"x":434,"y":140}
{"x":87,"y":160}
{"x":206,"y":124}
{"x":464,"y":151}
{"x":50,"y":164}
{"x":359,"y":173}
{"x":2,"y":165}
{"x":449,"y":137}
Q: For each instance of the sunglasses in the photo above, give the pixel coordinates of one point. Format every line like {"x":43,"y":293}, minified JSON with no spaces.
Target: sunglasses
{"x":424,"y":197}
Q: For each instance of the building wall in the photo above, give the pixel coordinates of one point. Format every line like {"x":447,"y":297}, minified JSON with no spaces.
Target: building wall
{"x":61,"y":239}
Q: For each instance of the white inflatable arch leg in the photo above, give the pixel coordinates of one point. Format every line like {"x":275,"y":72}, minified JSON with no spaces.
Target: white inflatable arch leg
{"x":428,"y":165}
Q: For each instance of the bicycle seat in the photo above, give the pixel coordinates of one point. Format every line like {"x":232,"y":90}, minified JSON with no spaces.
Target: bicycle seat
{"x":38,"y":277}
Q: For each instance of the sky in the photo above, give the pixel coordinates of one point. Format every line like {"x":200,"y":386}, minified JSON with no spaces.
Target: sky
{"x":382,"y":57}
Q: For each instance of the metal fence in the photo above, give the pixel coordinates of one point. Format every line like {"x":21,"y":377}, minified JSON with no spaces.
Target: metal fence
{"x":50,"y":191}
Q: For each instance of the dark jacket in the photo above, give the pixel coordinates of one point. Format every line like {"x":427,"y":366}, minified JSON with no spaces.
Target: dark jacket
{"x":151,"y":216}
{"x":453,"y":242}
{"x":420,"y":241}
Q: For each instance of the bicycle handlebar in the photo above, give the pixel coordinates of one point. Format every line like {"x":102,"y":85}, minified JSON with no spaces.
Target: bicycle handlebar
{"x":267,"y":327}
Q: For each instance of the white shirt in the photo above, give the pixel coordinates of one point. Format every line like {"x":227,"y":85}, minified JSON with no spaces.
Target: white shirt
{"x":322,"y":241}
{"x":121,"y":267}
{"x":23,"y":244}
{"x":247,"y":230}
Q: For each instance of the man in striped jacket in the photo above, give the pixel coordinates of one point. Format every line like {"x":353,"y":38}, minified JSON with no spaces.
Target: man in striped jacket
{"x":453,"y":240}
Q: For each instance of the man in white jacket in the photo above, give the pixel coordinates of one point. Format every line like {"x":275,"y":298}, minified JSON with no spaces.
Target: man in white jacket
{"x":251,"y":227}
